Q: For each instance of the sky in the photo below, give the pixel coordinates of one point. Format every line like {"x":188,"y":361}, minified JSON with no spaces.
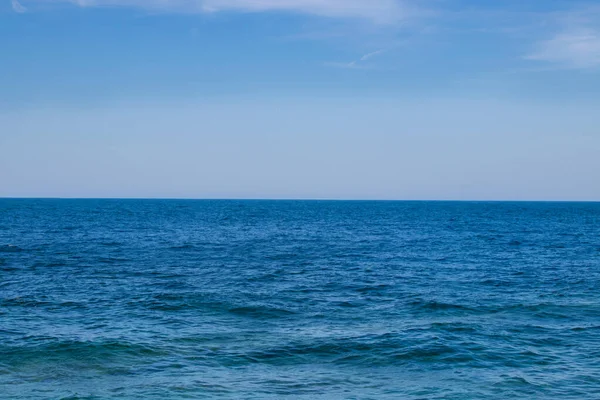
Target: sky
{"x":300,"y":99}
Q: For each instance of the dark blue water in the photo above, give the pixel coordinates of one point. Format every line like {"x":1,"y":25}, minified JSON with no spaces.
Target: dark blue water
{"x":108,"y":299}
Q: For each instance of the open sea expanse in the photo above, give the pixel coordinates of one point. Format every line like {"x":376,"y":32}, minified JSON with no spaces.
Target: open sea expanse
{"x":168,"y":299}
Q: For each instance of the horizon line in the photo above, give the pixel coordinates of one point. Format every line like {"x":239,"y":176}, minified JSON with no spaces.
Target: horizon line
{"x":302,"y":199}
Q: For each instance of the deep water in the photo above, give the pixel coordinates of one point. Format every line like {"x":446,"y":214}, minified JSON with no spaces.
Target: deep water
{"x":136,"y":299}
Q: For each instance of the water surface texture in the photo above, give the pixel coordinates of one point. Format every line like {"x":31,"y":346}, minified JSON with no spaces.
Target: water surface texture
{"x":135,"y":299}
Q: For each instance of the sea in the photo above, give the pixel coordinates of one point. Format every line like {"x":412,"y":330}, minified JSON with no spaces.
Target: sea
{"x":211,"y":299}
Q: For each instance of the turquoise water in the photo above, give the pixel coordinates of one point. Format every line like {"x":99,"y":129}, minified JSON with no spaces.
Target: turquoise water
{"x":132,"y":299}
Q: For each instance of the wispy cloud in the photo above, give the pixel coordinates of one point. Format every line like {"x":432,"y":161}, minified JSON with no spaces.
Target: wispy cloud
{"x":578,"y":49}
{"x":372,"y":54}
{"x":378,"y":11}
{"x":359,"y":63}
{"x":384,"y":11}
{"x":18,"y":7}
{"x":345,"y":65}
{"x":574,"y":43}
{"x":556,"y":38}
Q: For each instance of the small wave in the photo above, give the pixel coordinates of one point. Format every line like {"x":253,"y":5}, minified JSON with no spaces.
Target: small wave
{"x":268,"y":277}
{"x":495,"y":282}
{"x":70,"y":228}
{"x":10,"y":248}
{"x":111,"y":244}
{"x":585,"y":328}
{"x":555,"y":246}
{"x":371,"y":289}
{"x":183,"y":247}
{"x":386,"y":349}
{"x":454,"y":327}
{"x":261,"y":312}
{"x":514,"y":381}
{"x":282,"y":257}
{"x":33,"y":303}
{"x":489,"y":238}
{"x":5,"y":266}
{"x":197,"y":301}
{"x":542,"y":310}
{"x":576,"y":235}
{"x":348,"y":304}
{"x":23,"y":302}
{"x":112,"y":260}
{"x":54,"y":264}
{"x":436,"y":305}
{"x":46,"y":350}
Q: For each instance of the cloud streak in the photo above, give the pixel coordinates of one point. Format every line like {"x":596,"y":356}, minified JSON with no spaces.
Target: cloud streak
{"x":571,"y":49}
{"x":573,"y":41}
{"x":378,"y":11}
{"x":357,"y":64}
{"x":371,"y":54}
{"x":574,"y":44}
{"x":18,"y":7}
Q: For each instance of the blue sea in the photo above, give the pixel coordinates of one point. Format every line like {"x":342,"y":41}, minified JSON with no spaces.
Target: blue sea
{"x":166,"y":299}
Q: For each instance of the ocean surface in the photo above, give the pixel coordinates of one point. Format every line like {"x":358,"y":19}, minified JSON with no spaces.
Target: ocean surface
{"x":143,"y":299}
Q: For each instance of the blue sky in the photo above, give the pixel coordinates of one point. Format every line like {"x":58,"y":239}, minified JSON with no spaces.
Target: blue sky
{"x":376,"y":99}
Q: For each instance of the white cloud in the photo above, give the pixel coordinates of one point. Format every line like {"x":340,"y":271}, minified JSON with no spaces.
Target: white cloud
{"x":575,"y":41}
{"x":378,"y":11}
{"x":371,"y":55}
{"x":571,"y":49}
{"x":346,"y":65}
{"x":357,"y":64}
{"x":18,"y":7}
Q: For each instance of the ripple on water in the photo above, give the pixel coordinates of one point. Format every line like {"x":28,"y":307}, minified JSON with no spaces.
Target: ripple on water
{"x":303,"y":300}
{"x":10,"y":248}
